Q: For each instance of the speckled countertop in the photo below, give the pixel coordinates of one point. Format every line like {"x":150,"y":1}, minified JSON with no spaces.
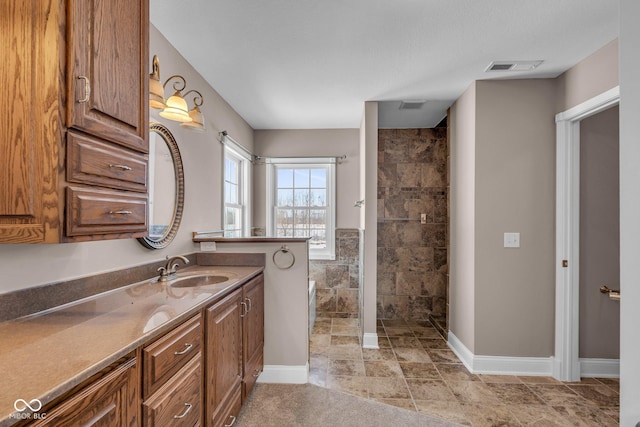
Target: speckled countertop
{"x":46,"y":354}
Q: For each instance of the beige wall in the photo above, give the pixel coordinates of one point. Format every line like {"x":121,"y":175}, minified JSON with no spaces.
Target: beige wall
{"x":592,"y":76}
{"x":369,"y":136}
{"x":312,"y":142}
{"x":24,"y":266}
{"x":462,"y":120}
{"x":510,"y":187}
{"x":515,"y":192}
{"x":286,"y":299}
{"x":599,"y":234}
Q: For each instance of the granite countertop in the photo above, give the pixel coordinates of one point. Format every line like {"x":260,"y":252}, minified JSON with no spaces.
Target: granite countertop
{"x":46,"y":354}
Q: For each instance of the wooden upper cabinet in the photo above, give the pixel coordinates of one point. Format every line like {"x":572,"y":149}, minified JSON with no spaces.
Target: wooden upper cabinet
{"x":107,"y":76}
{"x":46,"y":46}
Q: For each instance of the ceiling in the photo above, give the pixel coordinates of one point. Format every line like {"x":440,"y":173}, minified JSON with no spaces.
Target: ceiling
{"x":311,"y":64}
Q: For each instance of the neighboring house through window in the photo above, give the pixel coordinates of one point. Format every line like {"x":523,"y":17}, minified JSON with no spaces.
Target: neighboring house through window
{"x":301,"y":202}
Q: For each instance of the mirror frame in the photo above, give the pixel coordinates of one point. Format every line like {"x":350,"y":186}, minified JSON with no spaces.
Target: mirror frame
{"x":168,"y":237}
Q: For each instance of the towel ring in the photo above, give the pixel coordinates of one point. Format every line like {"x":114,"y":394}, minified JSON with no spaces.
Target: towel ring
{"x":284,"y":265}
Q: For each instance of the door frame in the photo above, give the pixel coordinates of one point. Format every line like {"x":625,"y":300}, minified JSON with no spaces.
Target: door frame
{"x":566,"y":365}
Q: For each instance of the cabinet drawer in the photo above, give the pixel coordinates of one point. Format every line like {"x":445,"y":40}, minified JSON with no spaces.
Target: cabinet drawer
{"x":92,"y":162}
{"x":167,"y":355}
{"x":178,"y":403}
{"x":105,"y":212}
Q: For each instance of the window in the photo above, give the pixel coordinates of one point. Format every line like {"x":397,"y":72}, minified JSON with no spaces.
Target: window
{"x":235,"y":215}
{"x":302,"y":203}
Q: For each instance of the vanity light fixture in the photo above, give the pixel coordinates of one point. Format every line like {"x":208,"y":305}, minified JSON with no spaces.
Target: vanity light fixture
{"x":175,"y":107}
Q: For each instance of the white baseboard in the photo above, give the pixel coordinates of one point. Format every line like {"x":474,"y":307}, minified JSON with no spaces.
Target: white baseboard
{"x":600,"y":368}
{"x":282,"y":374}
{"x":370,"y":340}
{"x":500,"y":365}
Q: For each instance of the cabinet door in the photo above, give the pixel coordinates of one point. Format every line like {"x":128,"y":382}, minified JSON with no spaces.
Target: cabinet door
{"x":108,"y":70}
{"x":223,"y":357}
{"x":29,"y":121}
{"x":110,"y":401}
{"x":253,"y":333}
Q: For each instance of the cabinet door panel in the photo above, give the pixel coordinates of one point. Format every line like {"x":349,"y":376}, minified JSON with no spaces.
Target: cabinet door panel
{"x":253,"y":331}
{"x":29,"y":126}
{"x":108,"y":46}
{"x":224,"y":354}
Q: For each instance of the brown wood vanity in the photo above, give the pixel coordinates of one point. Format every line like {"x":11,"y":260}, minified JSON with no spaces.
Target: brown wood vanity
{"x":196,"y":368}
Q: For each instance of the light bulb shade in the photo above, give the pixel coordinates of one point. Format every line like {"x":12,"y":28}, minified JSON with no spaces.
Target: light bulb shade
{"x":156,"y":90}
{"x":156,"y":94}
{"x":176,"y":109}
{"x":197,"y":122}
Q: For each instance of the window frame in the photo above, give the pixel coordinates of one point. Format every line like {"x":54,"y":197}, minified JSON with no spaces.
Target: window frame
{"x":329,"y":163}
{"x":244,"y":189}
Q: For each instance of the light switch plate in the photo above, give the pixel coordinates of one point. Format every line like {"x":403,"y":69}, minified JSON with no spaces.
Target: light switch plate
{"x":511,"y":240}
{"x":423,"y":218}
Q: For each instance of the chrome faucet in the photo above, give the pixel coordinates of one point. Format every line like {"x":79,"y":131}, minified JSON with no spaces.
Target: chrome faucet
{"x":170,"y":269}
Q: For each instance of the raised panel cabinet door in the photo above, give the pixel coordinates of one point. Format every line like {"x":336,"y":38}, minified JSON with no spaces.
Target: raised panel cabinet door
{"x":30,"y":129}
{"x":109,"y":401}
{"x":223,"y":360}
{"x":253,"y":332}
{"x":108,"y":72}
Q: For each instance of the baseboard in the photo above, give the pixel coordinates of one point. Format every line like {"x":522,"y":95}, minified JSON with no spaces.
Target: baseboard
{"x":282,"y":374}
{"x":370,"y":340}
{"x":500,"y":365}
{"x":600,"y":368}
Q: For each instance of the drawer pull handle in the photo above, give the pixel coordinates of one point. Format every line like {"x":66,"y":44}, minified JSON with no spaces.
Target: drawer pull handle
{"x":121,"y":167}
{"x":233,"y":421}
{"x":87,"y":89}
{"x":244,"y":309}
{"x":187,"y":347}
{"x":248,"y":299}
{"x":186,"y":411}
{"x":120,"y":212}
{"x":256,"y":373}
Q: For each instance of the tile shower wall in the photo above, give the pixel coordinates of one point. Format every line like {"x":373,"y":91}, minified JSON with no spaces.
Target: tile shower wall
{"x":412,"y":256}
{"x":338,"y":281}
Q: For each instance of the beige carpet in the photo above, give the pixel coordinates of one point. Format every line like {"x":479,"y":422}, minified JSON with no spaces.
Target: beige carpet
{"x":307,"y":405}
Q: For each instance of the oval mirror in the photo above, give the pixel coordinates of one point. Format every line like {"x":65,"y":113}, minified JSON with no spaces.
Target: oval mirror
{"x":166,"y":187}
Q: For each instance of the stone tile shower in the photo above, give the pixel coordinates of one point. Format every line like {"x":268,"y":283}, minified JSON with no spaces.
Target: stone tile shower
{"x":412,"y":225}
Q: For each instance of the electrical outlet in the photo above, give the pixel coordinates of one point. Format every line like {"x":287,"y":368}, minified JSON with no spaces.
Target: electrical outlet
{"x":423,"y":218}
{"x":208,"y":246}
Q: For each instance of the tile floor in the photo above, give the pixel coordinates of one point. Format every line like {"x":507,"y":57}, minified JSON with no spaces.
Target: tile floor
{"x":414,"y":369}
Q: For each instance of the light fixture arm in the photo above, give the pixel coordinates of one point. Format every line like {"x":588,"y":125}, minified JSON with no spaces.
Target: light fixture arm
{"x":197,"y":100}
{"x":176,"y":85}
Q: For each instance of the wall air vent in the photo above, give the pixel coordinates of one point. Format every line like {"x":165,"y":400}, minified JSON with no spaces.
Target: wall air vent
{"x":411,"y":105}
{"x":513,"y":65}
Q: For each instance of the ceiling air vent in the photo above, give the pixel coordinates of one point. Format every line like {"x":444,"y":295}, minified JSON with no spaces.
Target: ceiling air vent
{"x":513,"y":65}
{"x":411,"y":105}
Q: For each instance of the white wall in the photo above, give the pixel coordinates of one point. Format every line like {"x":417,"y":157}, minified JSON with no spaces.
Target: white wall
{"x":629,"y":212}
{"x":25,"y":266}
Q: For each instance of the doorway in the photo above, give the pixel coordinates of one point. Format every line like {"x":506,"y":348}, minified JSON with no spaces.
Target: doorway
{"x":566,"y":366}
